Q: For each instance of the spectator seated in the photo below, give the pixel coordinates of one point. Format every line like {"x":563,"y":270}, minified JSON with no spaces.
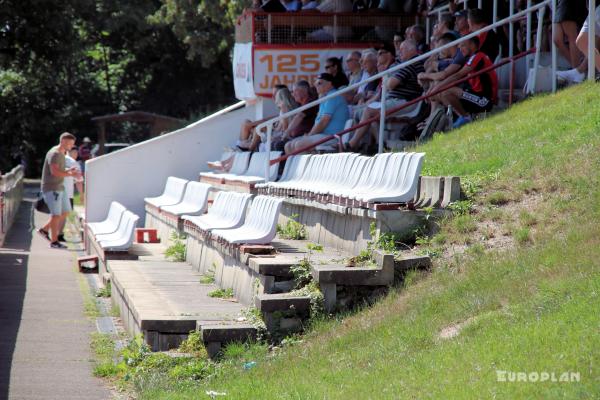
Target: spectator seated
{"x":112,"y":221}
{"x":173,"y":193}
{"x":260,"y":226}
{"x":227,"y":212}
{"x":238,"y":167}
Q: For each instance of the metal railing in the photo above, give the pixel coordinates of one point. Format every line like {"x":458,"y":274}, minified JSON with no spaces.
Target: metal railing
{"x":268,"y":125}
{"x":402,"y":106}
{"x":11,"y":194}
{"x":314,"y":27}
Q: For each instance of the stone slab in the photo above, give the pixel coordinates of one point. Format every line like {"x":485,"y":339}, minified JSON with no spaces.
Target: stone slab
{"x":282,"y":302}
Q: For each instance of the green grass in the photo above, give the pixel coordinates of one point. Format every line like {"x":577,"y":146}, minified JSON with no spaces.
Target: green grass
{"x":221,"y":293}
{"x":530,"y":308}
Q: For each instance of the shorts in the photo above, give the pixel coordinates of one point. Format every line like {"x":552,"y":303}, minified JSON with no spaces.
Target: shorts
{"x":570,"y":10}
{"x":474,"y":103}
{"x":586,"y":27}
{"x":57,"y":201}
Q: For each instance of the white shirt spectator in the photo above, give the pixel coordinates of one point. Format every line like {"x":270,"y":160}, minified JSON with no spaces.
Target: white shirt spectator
{"x":69,"y":181}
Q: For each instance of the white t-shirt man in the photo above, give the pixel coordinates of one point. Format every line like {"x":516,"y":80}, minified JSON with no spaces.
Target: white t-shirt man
{"x":69,"y":181}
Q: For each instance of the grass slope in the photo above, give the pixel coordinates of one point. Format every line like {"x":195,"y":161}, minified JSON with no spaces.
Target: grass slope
{"x":530,"y":307}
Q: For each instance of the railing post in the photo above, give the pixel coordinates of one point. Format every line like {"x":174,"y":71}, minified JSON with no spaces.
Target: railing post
{"x":384,"y":84}
{"x":269,"y":28}
{"x":495,"y":12}
{"x":591,"y":41}
{"x":511,"y":29}
{"x":335,"y":29}
{"x":427,"y":29}
{"x":528,"y":38}
{"x":538,"y":45}
{"x":554,"y":55}
{"x":268,"y":162}
{"x":479,"y":3}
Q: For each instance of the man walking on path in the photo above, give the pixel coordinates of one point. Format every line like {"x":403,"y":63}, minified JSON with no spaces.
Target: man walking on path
{"x":53,"y":189}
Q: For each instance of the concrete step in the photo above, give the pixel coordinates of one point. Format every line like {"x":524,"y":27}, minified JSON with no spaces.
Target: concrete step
{"x":215,"y":336}
{"x":165,"y":301}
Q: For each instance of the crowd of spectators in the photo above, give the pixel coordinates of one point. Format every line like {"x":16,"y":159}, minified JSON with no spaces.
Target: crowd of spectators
{"x":465,"y":97}
{"x":360,"y":106}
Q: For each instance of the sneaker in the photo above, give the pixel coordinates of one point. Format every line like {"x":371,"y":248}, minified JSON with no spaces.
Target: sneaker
{"x":460,"y":121}
{"x":61,"y":238}
{"x":571,"y":75}
{"x":44,"y":234}
{"x":57,"y":245}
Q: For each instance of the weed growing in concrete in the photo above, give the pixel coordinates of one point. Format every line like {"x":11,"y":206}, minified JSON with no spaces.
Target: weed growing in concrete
{"x":222,"y":293}
{"x":194,"y":345}
{"x":104,"y":292}
{"x":209,"y":276}
{"x":176,"y":252}
{"x":292,"y":230}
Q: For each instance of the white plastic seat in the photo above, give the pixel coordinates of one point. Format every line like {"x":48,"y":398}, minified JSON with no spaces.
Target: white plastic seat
{"x":256,"y":168}
{"x":260,"y":226}
{"x":297,"y":170}
{"x":227,"y":212}
{"x":373,"y":170}
{"x":173,"y":193}
{"x":238,"y":167}
{"x":111,"y":223}
{"x":401,"y":185}
{"x":122,"y":239}
{"x":343,"y":163}
{"x":194,"y":201}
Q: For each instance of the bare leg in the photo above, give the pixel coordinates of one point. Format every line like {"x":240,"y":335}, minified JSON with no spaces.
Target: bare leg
{"x":559,"y":41}
{"x":360,"y":132}
{"x":570,"y":30}
{"x":55,"y":223}
{"x":246,"y":129}
{"x":582,"y":44}
{"x":451,"y":97}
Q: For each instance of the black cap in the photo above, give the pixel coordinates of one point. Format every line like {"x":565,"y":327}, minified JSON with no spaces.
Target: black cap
{"x":387,"y":46}
{"x":461,"y":13}
{"x":326,"y":77}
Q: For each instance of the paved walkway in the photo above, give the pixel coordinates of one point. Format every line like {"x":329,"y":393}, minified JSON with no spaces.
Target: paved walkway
{"x":44,"y":336}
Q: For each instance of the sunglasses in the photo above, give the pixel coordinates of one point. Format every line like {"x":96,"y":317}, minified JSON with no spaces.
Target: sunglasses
{"x":328,"y":66}
{"x":353,"y":59}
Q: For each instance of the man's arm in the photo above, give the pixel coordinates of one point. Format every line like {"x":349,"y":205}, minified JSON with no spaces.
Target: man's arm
{"x":321,"y":125}
{"x":296,"y":120}
{"x":57,"y":172}
{"x":440,"y":76}
{"x":464,"y":71}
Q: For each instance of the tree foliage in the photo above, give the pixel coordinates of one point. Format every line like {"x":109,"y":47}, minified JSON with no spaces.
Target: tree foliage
{"x":63,"y":62}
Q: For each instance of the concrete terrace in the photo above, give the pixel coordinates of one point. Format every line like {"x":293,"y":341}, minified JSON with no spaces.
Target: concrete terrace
{"x":44,"y":335}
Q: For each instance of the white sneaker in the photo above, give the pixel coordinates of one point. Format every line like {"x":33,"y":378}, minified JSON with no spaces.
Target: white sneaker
{"x":571,"y":75}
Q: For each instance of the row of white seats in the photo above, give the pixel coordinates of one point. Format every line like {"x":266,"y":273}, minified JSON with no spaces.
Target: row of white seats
{"x":247,"y":167}
{"x":182,"y":197}
{"x":117,"y":231}
{"x":386,"y":177}
{"x":227,"y":218}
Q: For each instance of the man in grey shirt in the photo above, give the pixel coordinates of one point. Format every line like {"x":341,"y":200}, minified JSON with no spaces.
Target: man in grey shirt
{"x":53,"y":189}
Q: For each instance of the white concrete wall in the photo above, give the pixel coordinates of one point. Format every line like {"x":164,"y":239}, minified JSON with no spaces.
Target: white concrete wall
{"x":139,"y":171}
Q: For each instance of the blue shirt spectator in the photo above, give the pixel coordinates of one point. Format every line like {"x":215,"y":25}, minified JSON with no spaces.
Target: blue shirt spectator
{"x":337,"y":108}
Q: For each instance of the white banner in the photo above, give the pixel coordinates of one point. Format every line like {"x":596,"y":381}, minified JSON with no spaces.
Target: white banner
{"x":286,"y":66}
{"x":242,"y":71}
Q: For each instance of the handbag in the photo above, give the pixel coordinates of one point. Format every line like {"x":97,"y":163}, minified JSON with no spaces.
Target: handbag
{"x":41,"y":205}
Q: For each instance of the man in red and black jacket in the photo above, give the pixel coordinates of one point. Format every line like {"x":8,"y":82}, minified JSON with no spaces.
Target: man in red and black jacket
{"x":479,"y":93}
